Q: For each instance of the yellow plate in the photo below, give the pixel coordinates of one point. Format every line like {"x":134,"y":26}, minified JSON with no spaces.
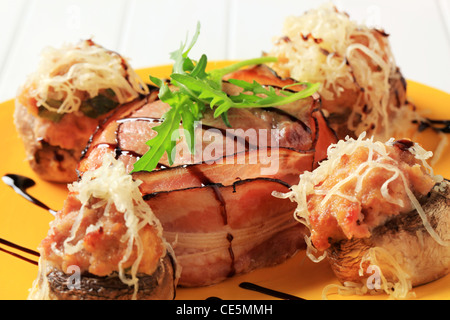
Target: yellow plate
{"x":25,"y":224}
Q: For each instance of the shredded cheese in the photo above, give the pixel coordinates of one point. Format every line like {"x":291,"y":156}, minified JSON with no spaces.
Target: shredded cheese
{"x":399,"y":287}
{"x":324,"y":45}
{"x":40,"y":289}
{"x":73,"y":73}
{"x":309,"y":180}
{"x":112,"y":183}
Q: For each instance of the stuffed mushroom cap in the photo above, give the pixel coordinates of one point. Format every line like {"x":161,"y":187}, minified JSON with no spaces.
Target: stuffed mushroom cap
{"x":105,"y":243}
{"x":61,"y":104}
{"x":374,"y":206}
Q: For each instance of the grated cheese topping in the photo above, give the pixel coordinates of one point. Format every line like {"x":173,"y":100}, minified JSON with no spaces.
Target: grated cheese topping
{"x":114,"y":185}
{"x":73,"y":73}
{"x":309,"y":180}
{"x":399,"y":287}
{"x":324,"y":45}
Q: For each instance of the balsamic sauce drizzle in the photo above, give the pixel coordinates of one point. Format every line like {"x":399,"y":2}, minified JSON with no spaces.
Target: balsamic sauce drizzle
{"x":23,"y":249}
{"x":436,"y":125}
{"x":205,"y":181}
{"x":267,"y":291}
{"x":148,"y":119}
{"x":20,"y":184}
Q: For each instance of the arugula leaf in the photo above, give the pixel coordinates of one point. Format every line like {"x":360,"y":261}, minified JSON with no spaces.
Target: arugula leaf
{"x":165,"y":140}
{"x":196,"y":90}
{"x":182,"y":62}
{"x":272,"y":97}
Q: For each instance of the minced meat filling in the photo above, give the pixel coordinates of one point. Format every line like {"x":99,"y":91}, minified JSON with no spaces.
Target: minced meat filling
{"x":360,"y":204}
{"x":99,"y":240}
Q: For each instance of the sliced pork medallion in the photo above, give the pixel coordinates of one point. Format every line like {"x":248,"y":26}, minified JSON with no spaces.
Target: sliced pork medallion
{"x":61,"y":104}
{"x":215,"y":205}
{"x":105,"y":243}
{"x":379,"y":214}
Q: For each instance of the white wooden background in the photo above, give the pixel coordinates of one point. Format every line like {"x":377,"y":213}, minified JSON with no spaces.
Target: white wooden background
{"x":145,"y":31}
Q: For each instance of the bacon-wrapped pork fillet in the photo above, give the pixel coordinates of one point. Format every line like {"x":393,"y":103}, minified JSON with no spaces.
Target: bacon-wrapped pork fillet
{"x":218,"y":212}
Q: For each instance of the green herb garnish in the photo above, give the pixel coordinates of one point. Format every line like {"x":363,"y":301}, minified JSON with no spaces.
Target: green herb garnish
{"x":99,"y":105}
{"x":196,"y":90}
{"x":92,"y":108}
{"x":43,"y":112}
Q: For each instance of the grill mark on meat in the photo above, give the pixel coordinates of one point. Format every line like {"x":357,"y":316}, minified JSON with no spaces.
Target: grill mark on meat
{"x":281,"y":111}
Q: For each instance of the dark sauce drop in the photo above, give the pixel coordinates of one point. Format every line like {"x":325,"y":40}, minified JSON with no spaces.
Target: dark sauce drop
{"x":267,"y":291}
{"x":436,"y":125}
{"x":403,"y":144}
{"x":231,"y":252}
{"x":20,"y":184}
